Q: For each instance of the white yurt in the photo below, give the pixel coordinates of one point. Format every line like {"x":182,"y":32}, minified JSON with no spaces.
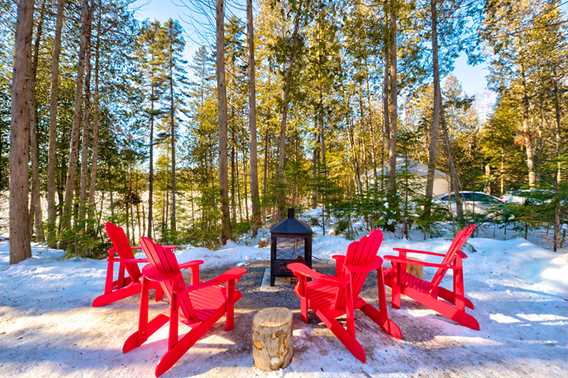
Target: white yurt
{"x":420,"y":172}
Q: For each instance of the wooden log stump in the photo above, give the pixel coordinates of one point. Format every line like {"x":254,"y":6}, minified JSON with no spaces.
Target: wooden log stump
{"x":415,"y":270}
{"x":272,"y":347}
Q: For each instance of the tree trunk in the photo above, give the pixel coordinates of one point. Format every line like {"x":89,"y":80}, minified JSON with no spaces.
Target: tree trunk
{"x":502,"y":173}
{"x":455,"y":181}
{"x":280,"y":172}
{"x":173,"y":225}
{"x":265,"y":169}
{"x":238,"y":185}
{"x":323,"y":158}
{"x":233,"y":179}
{"x":487,"y":186}
{"x":436,"y":114}
{"x":355,"y":158}
{"x":76,"y":128}
{"x":35,"y":205}
{"x":86,"y":135}
{"x":20,"y":248}
{"x":272,"y":346}
{"x":51,"y":154}
{"x":96,"y":117}
{"x":558,"y":176}
{"x":222,"y":108}
{"x":245,"y":187}
{"x":371,"y":125}
{"x":386,"y":125}
{"x":151,"y":169}
{"x":256,"y":223}
{"x":529,"y":148}
{"x":393,"y":93}
{"x":315,"y":163}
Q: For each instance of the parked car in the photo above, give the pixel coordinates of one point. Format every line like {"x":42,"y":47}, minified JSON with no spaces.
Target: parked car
{"x":473,"y":202}
{"x":528,"y":196}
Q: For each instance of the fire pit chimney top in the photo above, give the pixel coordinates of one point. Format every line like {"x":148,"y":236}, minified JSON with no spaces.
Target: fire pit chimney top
{"x":291,"y":225}
{"x":291,"y":213}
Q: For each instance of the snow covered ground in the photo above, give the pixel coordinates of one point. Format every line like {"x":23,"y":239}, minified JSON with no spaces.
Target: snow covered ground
{"x":48,"y":329}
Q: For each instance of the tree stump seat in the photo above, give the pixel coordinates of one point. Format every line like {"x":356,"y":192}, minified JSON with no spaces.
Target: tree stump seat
{"x":272,"y":347}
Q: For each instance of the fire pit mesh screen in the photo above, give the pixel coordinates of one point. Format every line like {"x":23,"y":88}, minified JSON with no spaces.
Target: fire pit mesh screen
{"x":290,"y":248}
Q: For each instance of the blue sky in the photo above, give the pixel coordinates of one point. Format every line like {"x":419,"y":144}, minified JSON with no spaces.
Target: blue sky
{"x":472,"y":78}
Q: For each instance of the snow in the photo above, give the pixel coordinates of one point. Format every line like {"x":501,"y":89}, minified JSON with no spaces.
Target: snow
{"x":520,"y":290}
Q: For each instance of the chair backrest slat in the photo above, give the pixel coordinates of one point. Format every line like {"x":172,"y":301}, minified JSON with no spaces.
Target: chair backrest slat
{"x":121,"y":245}
{"x":456,"y":246}
{"x":360,"y":253}
{"x":166,"y":263}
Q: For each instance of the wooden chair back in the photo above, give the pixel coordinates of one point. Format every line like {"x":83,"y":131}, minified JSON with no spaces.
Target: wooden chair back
{"x":165,"y":262}
{"x":121,"y":245}
{"x":453,"y":253}
{"x":360,"y":253}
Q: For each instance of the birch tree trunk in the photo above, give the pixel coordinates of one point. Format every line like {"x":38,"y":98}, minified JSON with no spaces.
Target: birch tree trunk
{"x":35,"y":205}
{"x":76,"y":128}
{"x":173,"y":225}
{"x":222,"y":108}
{"x":151,"y":170}
{"x":51,"y":154}
{"x":256,"y":221}
{"x":436,"y":114}
{"x":20,"y":248}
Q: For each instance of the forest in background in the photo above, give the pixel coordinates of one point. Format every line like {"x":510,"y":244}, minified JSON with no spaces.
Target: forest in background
{"x":304,"y":103}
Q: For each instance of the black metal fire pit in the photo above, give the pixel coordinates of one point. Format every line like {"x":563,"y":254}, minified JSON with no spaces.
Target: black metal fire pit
{"x":291,"y":241}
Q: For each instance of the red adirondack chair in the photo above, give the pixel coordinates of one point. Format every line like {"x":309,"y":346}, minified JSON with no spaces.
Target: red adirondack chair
{"x":128,"y":282}
{"x":449,"y":303}
{"x":331,"y":297}
{"x":198,"y":305}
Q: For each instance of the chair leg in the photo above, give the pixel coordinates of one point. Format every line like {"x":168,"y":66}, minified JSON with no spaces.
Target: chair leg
{"x":466,"y":320}
{"x":348,"y":340}
{"x":395,"y":294}
{"x":230,"y":307}
{"x":304,"y":309}
{"x":382,"y":320}
{"x":158,"y":294}
{"x":105,"y":299}
{"x":139,"y":337}
{"x":230,"y":317}
{"x":446,"y":309}
{"x":450,"y":296}
{"x":186,"y":342}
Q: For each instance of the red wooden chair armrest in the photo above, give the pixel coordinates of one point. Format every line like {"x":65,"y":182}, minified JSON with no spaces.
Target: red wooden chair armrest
{"x":398,"y":260}
{"x":229,"y":275}
{"x":462,"y":254}
{"x":190,"y":264}
{"x":377,"y":263}
{"x":419,"y":251}
{"x":233,"y":274}
{"x":332,"y":281}
{"x":154,"y":274}
{"x":300,"y":269}
{"x":338,"y":257}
